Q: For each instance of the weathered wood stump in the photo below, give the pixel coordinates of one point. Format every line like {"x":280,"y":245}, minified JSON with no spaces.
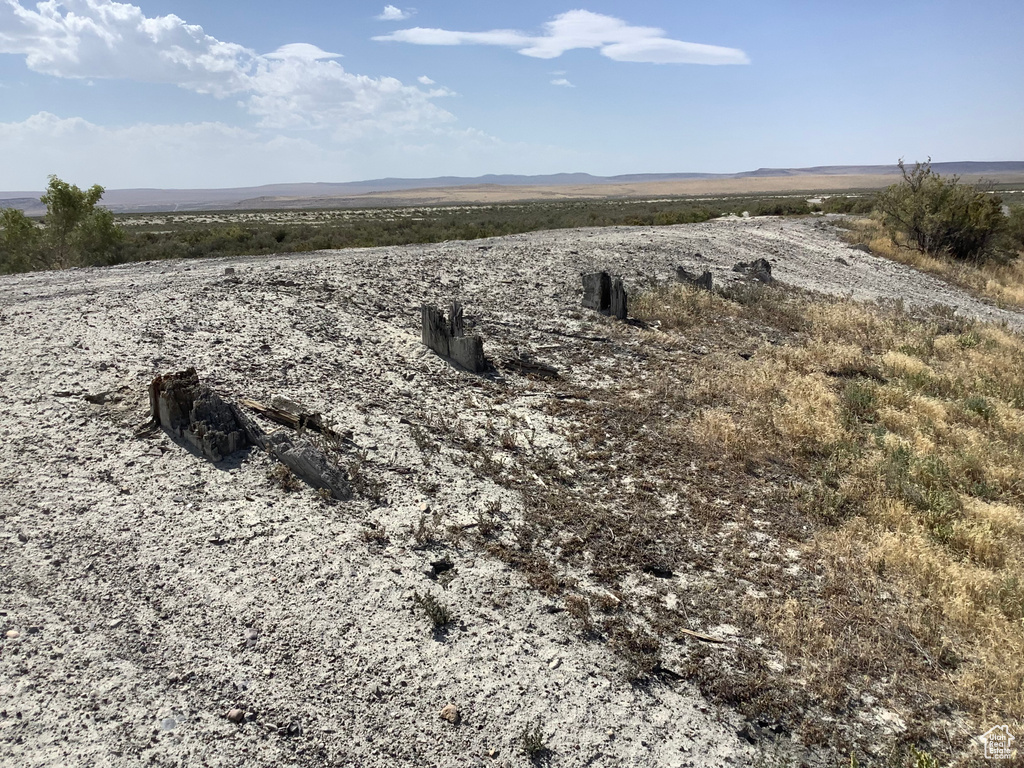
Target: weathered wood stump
{"x":195,"y":413}
{"x":448,"y":339}
{"x":759,"y":270}
{"x":605,"y":295}
{"x":703,"y":281}
{"x":217,"y":428}
{"x":597,"y":289}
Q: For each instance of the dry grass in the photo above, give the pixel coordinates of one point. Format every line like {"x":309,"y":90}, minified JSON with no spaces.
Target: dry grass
{"x":916,"y":482}
{"x":1001,"y":282}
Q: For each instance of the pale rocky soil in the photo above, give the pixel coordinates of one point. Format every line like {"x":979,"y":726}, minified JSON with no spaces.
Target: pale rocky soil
{"x":144,"y":591}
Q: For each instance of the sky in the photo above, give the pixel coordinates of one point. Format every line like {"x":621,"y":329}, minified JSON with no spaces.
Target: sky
{"x":190,"y":94}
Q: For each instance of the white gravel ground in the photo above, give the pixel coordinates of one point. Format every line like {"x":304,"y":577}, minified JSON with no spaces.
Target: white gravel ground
{"x":131,"y":570}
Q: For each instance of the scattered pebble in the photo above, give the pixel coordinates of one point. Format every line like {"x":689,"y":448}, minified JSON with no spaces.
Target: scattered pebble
{"x":555,"y":664}
{"x":13,"y":634}
{"x":236,"y":715}
{"x":451,"y":714}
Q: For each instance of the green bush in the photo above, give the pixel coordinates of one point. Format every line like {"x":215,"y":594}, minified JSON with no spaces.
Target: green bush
{"x":848,"y":204}
{"x":784,"y":207}
{"x":19,"y":241}
{"x":941,"y":217}
{"x":75,"y":232}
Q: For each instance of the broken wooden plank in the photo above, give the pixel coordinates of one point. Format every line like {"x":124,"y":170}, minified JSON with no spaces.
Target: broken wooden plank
{"x":702,"y":636}
{"x":527,"y":365}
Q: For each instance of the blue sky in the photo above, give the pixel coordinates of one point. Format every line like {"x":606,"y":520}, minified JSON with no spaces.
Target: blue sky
{"x":175,"y":93}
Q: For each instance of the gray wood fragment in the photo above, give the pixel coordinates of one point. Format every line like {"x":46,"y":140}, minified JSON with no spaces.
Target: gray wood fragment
{"x":597,"y":291}
{"x":618,"y":300}
{"x":702,"y":281}
{"x":308,"y":463}
{"x":448,"y":339}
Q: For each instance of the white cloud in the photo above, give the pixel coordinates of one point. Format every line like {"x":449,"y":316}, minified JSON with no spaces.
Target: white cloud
{"x":582,"y":29}
{"x":563,"y":82}
{"x":424,"y":80}
{"x":303,"y":51}
{"x":391,"y":13}
{"x":297,"y":86}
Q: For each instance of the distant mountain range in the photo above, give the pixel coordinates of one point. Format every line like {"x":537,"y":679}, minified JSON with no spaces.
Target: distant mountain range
{"x":296,"y":195}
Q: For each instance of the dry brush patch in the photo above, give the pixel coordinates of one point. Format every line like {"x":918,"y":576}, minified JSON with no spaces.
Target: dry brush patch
{"x":1002,"y":282}
{"x":832,"y":488}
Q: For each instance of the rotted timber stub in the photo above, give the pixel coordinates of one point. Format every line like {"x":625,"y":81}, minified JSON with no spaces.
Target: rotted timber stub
{"x":194,"y":412}
{"x":446,"y":336}
{"x":217,"y":428}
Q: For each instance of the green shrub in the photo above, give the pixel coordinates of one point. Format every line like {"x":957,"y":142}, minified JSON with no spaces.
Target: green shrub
{"x":783,"y":207}
{"x":941,"y":217}
{"x":849,"y":204}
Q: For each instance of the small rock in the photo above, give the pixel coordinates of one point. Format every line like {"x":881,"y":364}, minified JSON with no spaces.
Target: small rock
{"x":236,"y":715}
{"x":115,"y":623}
{"x":493,"y":753}
{"x":229,"y":270}
{"x":451,"y":714}
{"x":251,"y":636}
{"x":555,"y":664}
{"x":13,"y":634}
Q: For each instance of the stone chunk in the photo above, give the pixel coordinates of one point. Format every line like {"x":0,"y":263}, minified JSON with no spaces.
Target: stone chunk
{"x":597,"y":291}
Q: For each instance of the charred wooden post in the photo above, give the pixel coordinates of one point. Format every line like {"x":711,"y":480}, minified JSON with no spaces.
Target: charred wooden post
{"x":448,"y":338}
{"x":597,"y":289}
{"x":605,"y":295}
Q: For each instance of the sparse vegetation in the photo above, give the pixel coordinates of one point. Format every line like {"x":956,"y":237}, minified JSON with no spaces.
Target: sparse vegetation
{"x":532,"y":741}
{"x":438,"y":613}
{"x":846,"y":495}
{"x":74,"y":232}
{"x":98,"y":237}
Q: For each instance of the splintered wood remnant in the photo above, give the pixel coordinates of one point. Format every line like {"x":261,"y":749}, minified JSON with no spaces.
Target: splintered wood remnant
{"x":447,"y":337}
{"x":605,"y":295}
{"x":618,"y":307}
{"x":195,"y":413}
{"x":702,"y":281}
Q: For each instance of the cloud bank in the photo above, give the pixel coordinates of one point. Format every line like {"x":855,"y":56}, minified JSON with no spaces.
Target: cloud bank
{"x":392,"y":13}
{"x":297,"y":86}
{"x":572,"y":30}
